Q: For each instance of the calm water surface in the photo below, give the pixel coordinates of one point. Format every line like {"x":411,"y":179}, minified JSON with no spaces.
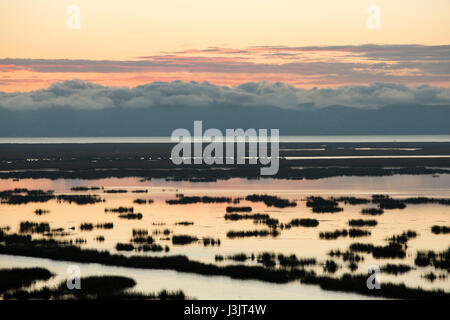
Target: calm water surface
{"x":209,"y":222}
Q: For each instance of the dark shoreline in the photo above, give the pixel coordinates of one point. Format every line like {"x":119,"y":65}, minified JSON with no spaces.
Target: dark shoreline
{"x":67,"y":151}
{"x":151,"y":160}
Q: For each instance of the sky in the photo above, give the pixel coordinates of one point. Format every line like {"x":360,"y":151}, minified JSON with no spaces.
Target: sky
{"x":304,"y":44}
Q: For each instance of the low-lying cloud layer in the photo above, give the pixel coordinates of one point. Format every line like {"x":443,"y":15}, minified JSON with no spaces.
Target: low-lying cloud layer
{"x":79,"y":94}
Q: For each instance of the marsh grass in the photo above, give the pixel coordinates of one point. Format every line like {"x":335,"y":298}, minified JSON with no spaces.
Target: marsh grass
{"x":16,"y":278}
{"x":184,"y":223}
{"x":80,"y":199}
{"x":77,"y":189}
{"x":392,"y":250}
{"x":439,"y":260}
{"x":362,"y":223}
{"x":404,"y":237}
{"x":139,"y":232}
{"x":95,"y":287}
{"x":357,"y":284}
{"x":395,"y":269}
{"x":321,"y":205}
{"x":304,"y":222}
{"x":372,"y":211}
{"x":352,"y":200}
{"x":181,"y":199}
{"x":40,"y":212}
{"x":131,"y":216}
{"x":271,"y":201}
{"x":183,"y":239}
{"x":238,"y":209}
{"x":346,"y":283}
{"x":237,"y":217}
{"x":440,"y":229}
{"x":346,"y":256}
{"x":120,"y":210}
{"x":115,"y":191}
{"x":330,"y":266}
{"x":253,"y":233}
{"x":386,"y":202}
{"x":34,"y":227}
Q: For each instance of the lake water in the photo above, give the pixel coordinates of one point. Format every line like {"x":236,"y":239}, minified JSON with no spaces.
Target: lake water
{"x":209,"y":222}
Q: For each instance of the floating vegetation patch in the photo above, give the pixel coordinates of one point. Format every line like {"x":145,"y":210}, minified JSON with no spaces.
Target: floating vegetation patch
{"x":362,"y":223}
{"x":25,"y":196}
{"x":131,"y":216}
{"x":392,"y":250}
{"x":386,"y":202}
{"x":404,"y":237}
{"x":439,"y":260}
{"x":165,"y":232}
{"x":80,"y":199}
{"x":115,"y":191}
{"x":210,"y":242}
{"x":270,"y":259}
{"x":205,"y":199}
{"x":321,"y":205}
{"x":16,"y":278}
{"x":184,"y":223}
{"x":292,"y":261}
{"x":346,"y":256}
{"x":254,"y":233}
{"x":352,"y":200}
{"x":140,"y":232}
{"x":353,"y":266}
{"x":270,"y":222}
{"x":352,"y":233}
{"x":239,"y":209}
{"x":152,"y":247}
{"x":86,"y":227}
{"x":372,"y":211}
{"x":94,"y":287}
{"x":267,"y":259}
{"x":395,"y":269}
{"x":106,"y":225}
{"x":431,"y":276}
{"x":424,"y":200}
{"x":440,"y":229}
{"x":120,"y":210}
{"x":236,"y":216}
{"x":34,"y":227}
{"x":143,"y":201}
{"x":358,"y":284}
{"x":271,"y":201}
{"x":40,"y":212}
{"x":124,"y":247}
{"x":183,"y":239}
{"x":139,"y":191}
{"x":80,"y":241}
{"x":143,"y":239}
{"x":304,"y":223}
{"x":86,"y":188}
{"x":239,"y":257}
{"x":330,"y":266}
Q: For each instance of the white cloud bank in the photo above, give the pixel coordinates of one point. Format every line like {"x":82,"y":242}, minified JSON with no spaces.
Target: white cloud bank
{"x":79,"y":94}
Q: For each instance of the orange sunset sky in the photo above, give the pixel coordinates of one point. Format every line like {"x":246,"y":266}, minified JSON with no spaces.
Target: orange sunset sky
{"x":324,"y":43}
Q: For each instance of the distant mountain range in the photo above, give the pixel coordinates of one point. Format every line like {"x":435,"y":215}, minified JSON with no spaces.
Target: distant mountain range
{"x":161,"y":121}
